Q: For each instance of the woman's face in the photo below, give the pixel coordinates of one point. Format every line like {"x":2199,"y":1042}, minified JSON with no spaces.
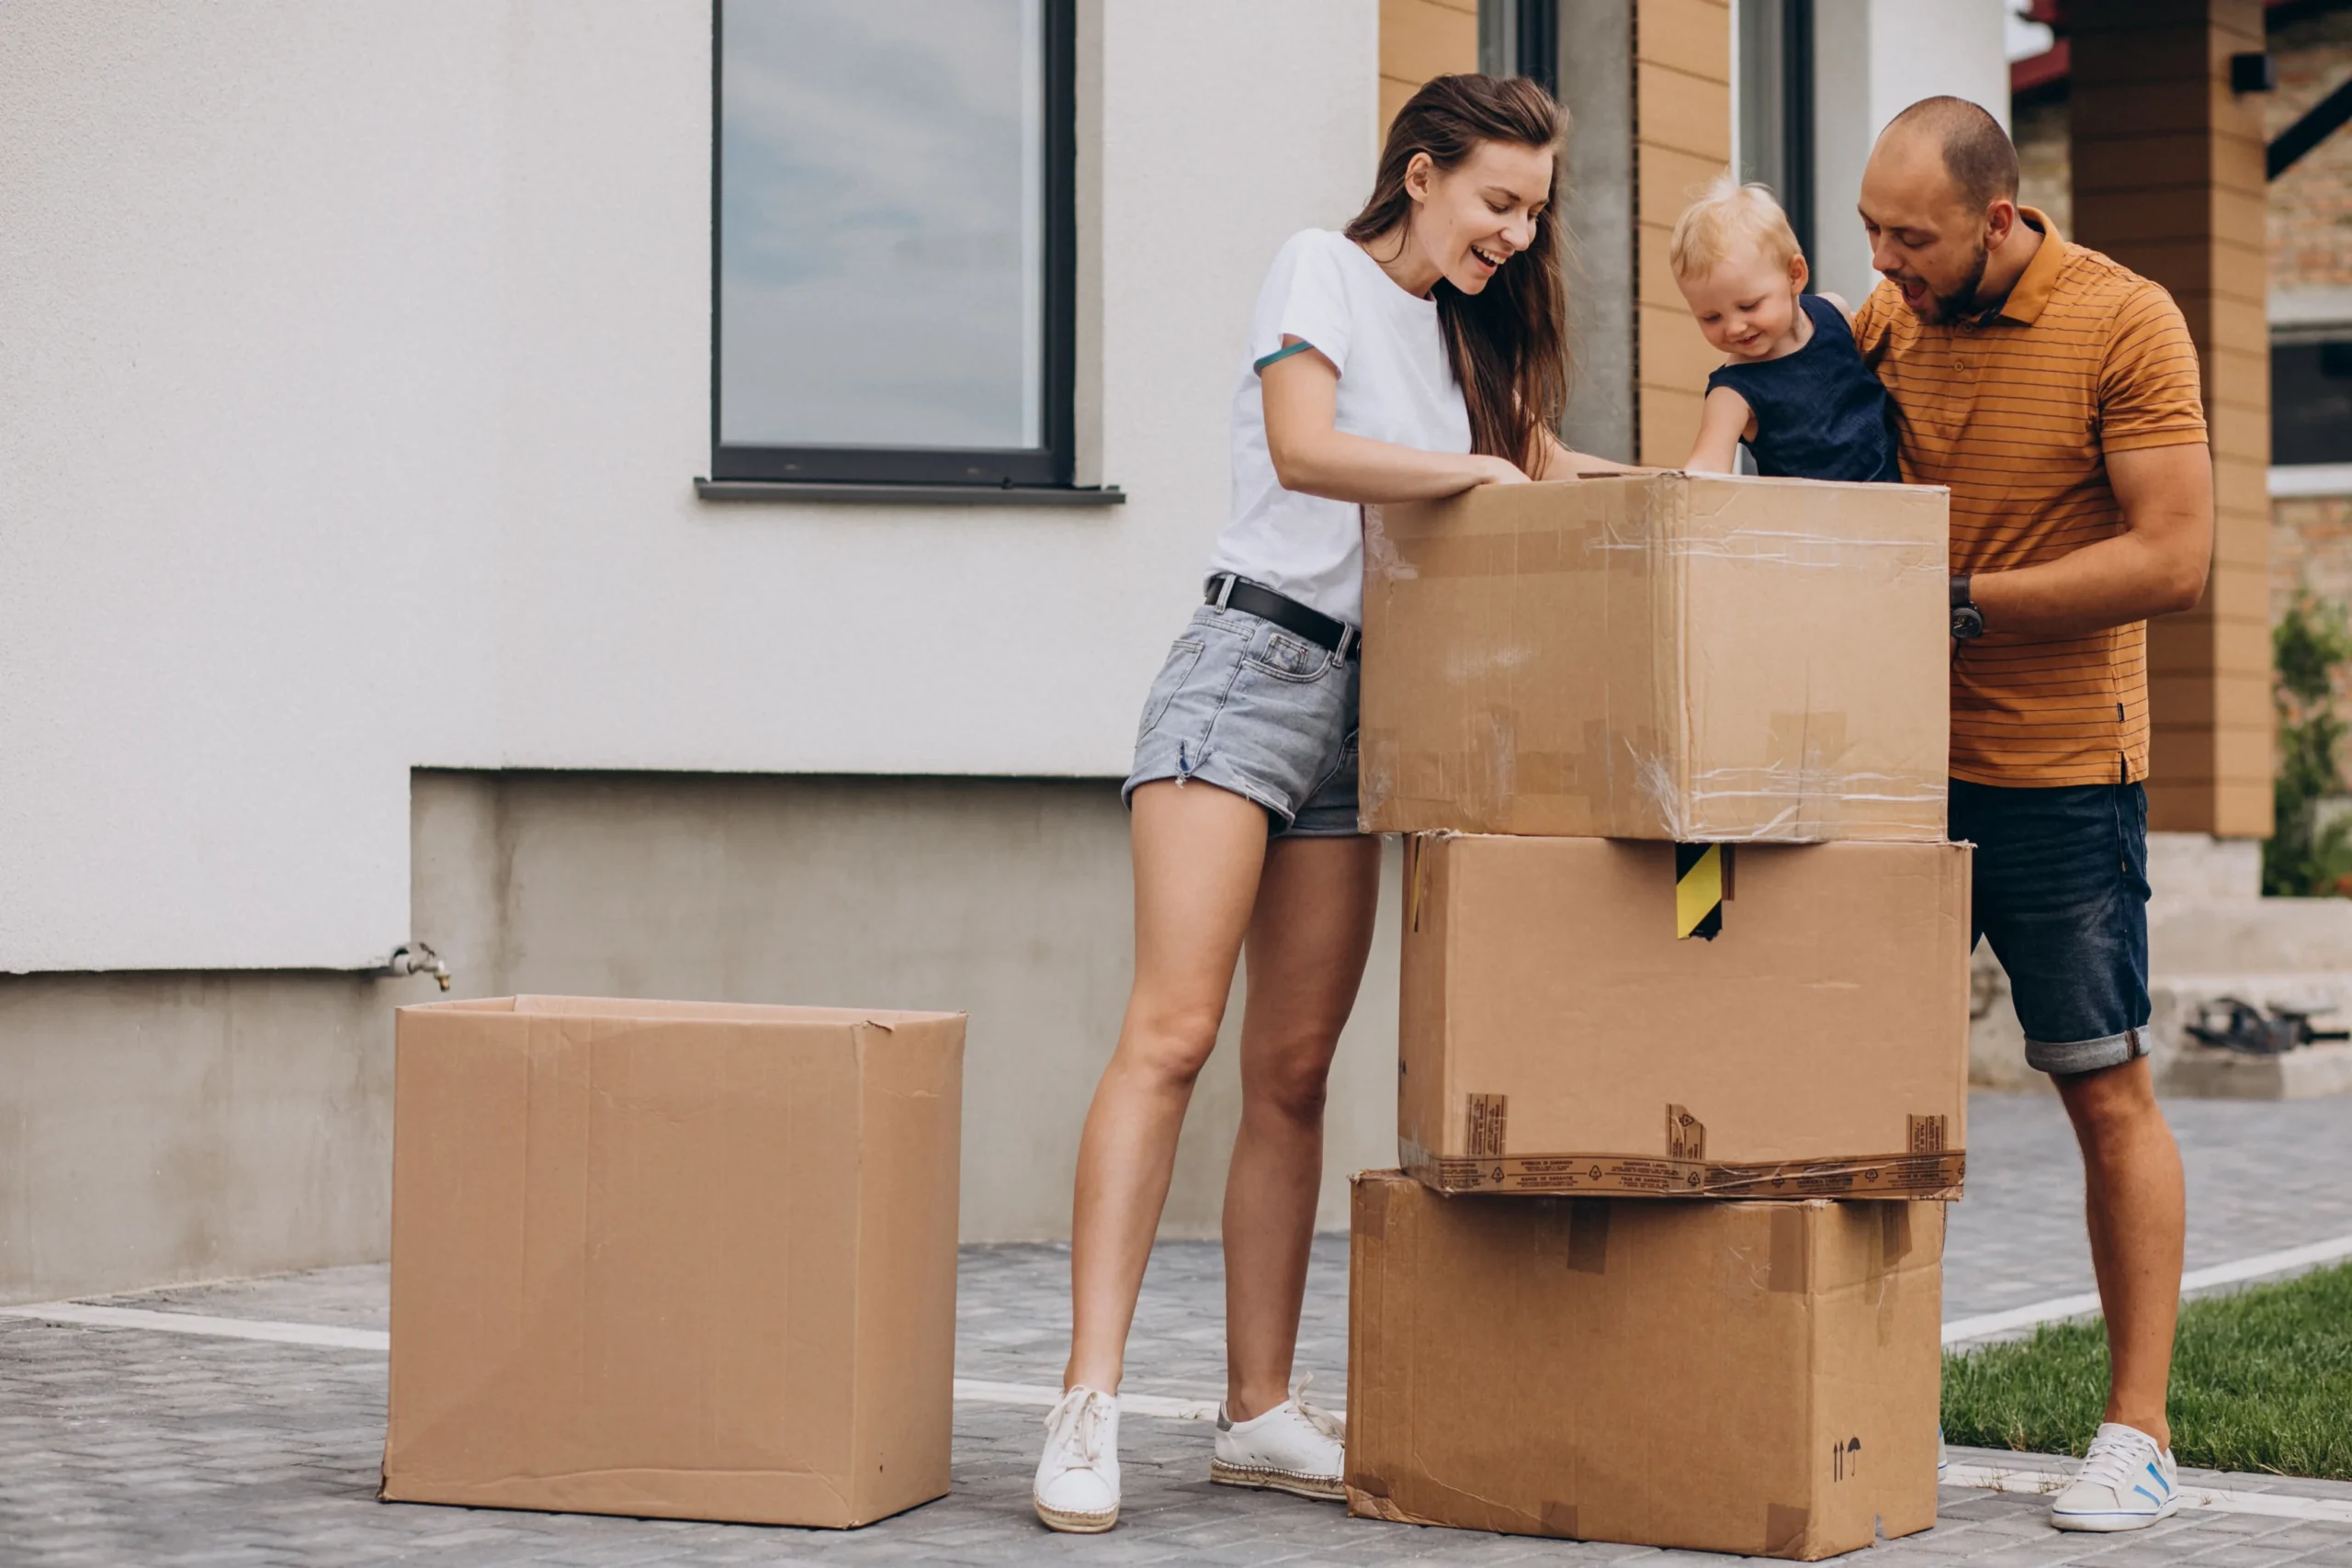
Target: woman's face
{"x":1472,"y":219}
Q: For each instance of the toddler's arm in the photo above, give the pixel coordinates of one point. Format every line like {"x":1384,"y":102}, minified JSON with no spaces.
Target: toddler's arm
{"x":1726,"y":420}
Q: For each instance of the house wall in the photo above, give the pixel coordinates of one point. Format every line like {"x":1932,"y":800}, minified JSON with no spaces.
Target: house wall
{"x":2310,"y":204}
{"x":1422,"y":39}
{"x":1873,"y":59}
{"x":2307,"y":225}
{"x":1596,"y":84}
{"x":161,"y":1127}
{"x":1681,"y":143}
{"x":1006,"y":900}
{"x":2167,"y":178}
{"x":358,"y":376}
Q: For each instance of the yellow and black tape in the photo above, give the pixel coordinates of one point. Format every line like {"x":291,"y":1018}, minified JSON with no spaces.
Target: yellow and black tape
{"x":1701,"y":882}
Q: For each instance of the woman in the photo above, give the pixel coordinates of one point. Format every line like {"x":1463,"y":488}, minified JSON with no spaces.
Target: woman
{"x":1415,"y":355}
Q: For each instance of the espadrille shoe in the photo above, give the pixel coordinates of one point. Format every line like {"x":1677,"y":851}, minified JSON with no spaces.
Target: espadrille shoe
{"x":1077,"y":1488}
{"x":1293,"y":1447}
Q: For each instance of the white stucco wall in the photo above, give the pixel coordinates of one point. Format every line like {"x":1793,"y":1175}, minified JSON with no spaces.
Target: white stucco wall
{"x":354,"y":375}
{"x":1873,"y":59}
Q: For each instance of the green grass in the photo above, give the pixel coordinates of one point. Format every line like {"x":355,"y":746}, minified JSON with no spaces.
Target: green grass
{"x":2261,"y":1380}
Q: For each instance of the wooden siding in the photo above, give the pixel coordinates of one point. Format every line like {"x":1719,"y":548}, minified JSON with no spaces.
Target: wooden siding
{"x":1422,"y":39}
{"x":1681,"y":141}
{"x":2169,"y":179}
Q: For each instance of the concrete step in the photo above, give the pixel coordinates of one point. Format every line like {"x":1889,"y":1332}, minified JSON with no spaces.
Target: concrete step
{"x":2183,"y":1064}
{"x":2250,"y":935}
{"x":2310,"y":1072}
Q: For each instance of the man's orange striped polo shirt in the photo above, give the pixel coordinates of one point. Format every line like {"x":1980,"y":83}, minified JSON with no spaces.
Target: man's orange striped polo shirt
{"x":2016,"y":411}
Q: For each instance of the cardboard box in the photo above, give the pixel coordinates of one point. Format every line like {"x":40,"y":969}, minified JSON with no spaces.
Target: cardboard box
{"x":1557,"y":1035}
{"x":674,"y":1260}
{"x":1670,"y":656}
{"x":1752,"y":1378}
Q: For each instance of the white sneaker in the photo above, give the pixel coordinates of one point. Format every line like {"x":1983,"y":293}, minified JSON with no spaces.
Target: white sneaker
{"x":2126,"y":1483}
{"x":1293,"y":1447}
{"x":1077,"y":1488}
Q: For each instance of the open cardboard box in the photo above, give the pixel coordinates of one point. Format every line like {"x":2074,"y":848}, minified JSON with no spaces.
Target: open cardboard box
{"x":676,"y":1260}
{"x":1689,"y":657}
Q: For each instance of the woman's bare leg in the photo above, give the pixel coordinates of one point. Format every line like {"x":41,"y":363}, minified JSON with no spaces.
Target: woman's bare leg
{"x":1198,"y":854}
{"x":1308,"y":939}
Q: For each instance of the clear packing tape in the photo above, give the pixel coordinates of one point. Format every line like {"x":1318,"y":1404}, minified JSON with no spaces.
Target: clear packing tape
{"x":1804,"y":800}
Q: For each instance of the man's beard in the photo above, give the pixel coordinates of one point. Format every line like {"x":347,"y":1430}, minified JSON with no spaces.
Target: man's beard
{"x":1962,"y":302}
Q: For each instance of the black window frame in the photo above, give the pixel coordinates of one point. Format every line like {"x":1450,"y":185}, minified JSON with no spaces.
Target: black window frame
{"x":2303,"y":363}
{"x":1778,"y":111}
{"x":1049,"y":465}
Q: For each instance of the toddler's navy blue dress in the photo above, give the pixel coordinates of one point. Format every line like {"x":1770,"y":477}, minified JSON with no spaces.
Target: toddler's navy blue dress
{"x":1820,"y":415}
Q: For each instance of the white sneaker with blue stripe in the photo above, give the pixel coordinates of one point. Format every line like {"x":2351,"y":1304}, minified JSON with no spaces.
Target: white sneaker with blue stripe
{"x":2126,"y":1483}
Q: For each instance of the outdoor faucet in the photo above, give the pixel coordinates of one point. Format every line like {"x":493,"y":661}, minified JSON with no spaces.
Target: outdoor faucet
{"x":418,"y":959}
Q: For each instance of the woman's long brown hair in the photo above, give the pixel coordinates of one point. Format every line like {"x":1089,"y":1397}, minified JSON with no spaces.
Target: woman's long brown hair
{"x":1507,"y":343}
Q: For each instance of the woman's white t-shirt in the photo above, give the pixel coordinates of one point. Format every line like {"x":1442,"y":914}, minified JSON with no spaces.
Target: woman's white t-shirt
{"x":1396,"y":385}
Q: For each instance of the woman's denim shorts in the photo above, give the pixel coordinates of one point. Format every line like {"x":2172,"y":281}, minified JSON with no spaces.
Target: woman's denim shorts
{"x":1249,"y":707}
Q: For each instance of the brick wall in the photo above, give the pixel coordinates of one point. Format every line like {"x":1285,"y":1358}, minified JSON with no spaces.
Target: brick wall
{"x":2044,"y":181}
{"x":2310,"y":204}
{"x":2311,"y":543}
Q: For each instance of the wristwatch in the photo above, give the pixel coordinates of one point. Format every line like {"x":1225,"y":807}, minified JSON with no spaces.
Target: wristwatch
{"x":1967,"y":620}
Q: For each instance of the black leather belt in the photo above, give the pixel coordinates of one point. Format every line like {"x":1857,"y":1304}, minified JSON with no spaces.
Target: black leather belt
{"x":1228,"y":592}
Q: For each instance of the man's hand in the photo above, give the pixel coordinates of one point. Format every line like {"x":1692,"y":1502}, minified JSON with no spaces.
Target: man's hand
{"x":2155,"y":567}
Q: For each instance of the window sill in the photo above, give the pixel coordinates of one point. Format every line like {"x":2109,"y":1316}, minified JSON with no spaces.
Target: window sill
{"x":2311,"y":479}
{"x":910,"y":495}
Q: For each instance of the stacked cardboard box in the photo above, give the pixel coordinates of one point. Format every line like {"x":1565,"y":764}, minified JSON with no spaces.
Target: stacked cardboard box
{"x":1680,"y":923}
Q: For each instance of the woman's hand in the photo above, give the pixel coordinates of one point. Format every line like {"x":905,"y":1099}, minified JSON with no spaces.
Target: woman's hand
{"x":1496,"y":471}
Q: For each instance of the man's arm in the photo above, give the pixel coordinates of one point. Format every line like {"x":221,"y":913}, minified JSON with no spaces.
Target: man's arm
{"x":2155,"y":567}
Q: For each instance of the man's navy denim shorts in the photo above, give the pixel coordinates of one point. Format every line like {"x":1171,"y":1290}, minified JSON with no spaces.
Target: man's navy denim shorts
{"x":1252,"y":708}
{"x":2061,"y":892}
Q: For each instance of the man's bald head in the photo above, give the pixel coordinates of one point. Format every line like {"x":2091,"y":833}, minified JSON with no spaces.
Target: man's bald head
{"x":1939,"y":200}
{"x":1977,"y":154}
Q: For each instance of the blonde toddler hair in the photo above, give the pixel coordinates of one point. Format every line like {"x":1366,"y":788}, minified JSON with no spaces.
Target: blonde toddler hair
{"x":1726,"y":220}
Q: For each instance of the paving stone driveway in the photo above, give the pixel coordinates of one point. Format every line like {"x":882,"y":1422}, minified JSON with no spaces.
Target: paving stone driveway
{"x":129,"y":1447}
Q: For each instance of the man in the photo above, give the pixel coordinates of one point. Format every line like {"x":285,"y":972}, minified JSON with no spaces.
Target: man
{"x":2056,"y":393}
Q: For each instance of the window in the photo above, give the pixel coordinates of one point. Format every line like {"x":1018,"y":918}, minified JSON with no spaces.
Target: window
{"x":2310,"y":400}
{"x":1775,"y":96}
{"x":1520,"y":38}
{"x":894,"y":248}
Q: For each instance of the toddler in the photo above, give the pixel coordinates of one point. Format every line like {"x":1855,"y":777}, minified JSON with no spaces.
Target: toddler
{"x":1792,"y":385}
